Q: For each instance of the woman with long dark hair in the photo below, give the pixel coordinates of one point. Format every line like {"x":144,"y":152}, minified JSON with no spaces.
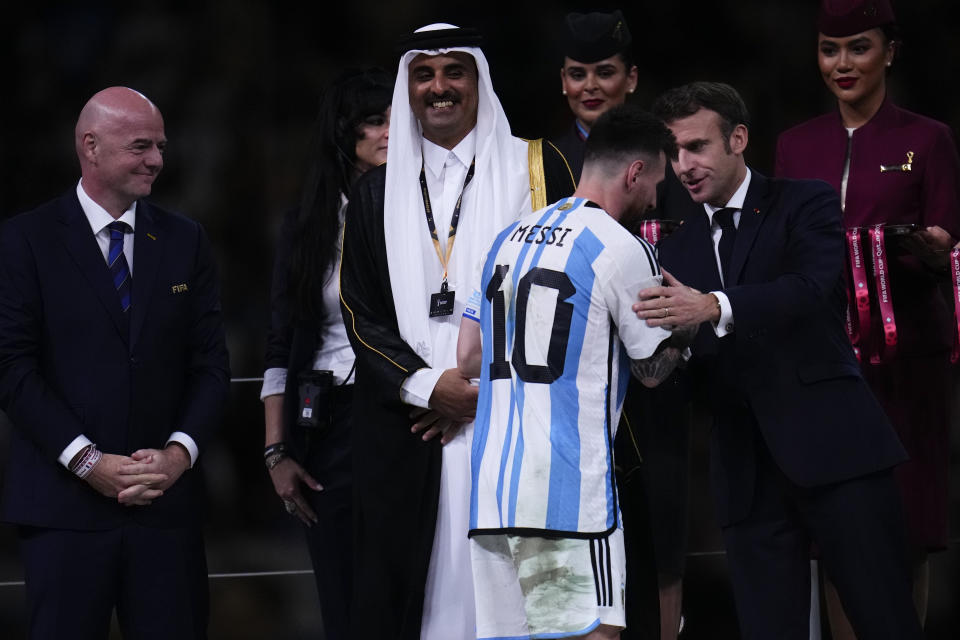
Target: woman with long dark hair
{"x":899,"y":169}
{"x":307,"y":390}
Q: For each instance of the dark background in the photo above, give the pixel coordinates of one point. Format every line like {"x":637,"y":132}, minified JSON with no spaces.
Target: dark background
{"x":238,"y":82}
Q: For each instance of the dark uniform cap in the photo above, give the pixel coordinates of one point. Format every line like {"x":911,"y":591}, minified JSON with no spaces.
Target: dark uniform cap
{"x":841,"y":18}
{"x":595,"y":36}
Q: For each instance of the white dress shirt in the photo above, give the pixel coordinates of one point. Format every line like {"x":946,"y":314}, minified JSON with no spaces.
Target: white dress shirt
{"x":725,"y":325}
{"x":846,"y":170}
{"x":445,"y":170}
{"x":98,"y":218}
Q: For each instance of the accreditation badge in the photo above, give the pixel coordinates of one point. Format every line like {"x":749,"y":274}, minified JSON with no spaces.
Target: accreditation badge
{"x":441,"y":303}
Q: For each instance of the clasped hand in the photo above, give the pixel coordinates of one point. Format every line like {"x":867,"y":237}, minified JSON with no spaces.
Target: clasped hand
{"x":453,"y":403}
{"x":141,"y":477}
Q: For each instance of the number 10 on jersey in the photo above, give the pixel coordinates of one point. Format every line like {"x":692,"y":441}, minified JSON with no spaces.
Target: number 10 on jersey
{"x":559,"y":332}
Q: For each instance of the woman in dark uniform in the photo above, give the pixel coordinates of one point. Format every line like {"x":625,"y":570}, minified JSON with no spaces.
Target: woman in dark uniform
{"x":895,"y":167}
{"x":597,"y":74}
{"x":308,"y":439}
{"x":652,"y":445}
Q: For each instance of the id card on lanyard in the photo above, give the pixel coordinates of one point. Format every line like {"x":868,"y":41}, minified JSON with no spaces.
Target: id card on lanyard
{"x":441,"y":303}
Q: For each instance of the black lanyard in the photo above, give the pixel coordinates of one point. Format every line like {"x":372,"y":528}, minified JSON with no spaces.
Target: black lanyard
{"x":454,"y":221}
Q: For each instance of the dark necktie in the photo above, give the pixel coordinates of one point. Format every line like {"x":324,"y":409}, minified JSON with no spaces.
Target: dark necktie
{"x":724,"y":218}
{"x":118,"y":262}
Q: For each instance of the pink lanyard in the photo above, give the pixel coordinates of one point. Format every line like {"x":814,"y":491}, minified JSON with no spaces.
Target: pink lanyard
{"x":858,"y":332}
{"x":881,"y":278}
{"x":650,"y":231}
{"x":858,"y":328}
{"x":955,"y":285}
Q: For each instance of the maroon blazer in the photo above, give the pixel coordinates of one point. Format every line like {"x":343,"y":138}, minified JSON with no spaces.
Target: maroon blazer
{"x":927,"y":194}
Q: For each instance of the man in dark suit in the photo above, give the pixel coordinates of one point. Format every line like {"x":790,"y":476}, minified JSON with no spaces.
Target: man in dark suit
{"x":113,"y":371}
{"x":801,"y":451}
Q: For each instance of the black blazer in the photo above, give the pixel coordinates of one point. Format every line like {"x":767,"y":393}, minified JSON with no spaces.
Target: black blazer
{"x":788,"y":369}
{"x":291,"y":344}
{"x":72,"y":363}
{"x":571,"y":145}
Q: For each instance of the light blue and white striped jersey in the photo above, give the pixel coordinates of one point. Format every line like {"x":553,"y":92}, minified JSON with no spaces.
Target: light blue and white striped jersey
{"x":554,"y":306}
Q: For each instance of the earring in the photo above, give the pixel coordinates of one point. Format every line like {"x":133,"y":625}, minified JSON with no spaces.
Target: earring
{"x":563,"y":91}
{"x":629,"y":90}
{"x":889,"y":64}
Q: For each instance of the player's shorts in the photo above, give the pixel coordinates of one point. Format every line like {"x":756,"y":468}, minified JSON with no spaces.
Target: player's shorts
{"x":529,"y":587}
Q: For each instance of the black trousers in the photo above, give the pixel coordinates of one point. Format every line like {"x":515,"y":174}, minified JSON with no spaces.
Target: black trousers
{"x":858,"y":526}
{"x":155,"y":578}
{"x":330,"y":541}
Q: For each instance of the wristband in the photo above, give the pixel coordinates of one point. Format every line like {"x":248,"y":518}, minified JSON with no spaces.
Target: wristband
{"x":276,"y":447}
{"x":274,"y":459}
{"x":91,"y":456}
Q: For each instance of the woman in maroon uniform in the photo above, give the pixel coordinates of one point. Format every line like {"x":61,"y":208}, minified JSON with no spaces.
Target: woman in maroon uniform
{"x":895,"y":167}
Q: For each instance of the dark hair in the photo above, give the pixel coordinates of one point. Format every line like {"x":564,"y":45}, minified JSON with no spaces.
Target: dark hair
{"x":891,"y":31}
{"x":625,"y":131}
{"x":892,"y":34}
{"x":682,"y":102}
{"x":353,"y":96}
{"x":627,"y":57}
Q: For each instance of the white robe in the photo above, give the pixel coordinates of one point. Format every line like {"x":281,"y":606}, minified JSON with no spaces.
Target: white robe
{"x":498,"y":194}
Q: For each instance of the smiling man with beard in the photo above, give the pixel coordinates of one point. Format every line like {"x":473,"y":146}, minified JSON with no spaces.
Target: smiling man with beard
{"x":417,"y":228}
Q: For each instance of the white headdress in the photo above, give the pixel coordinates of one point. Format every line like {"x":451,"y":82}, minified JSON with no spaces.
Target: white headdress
{"x":497,"y":195}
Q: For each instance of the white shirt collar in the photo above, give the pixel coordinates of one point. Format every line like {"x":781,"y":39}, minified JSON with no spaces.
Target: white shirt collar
{"x":736,"y":200}
{"x":97,"y":216}
{"x":435,"y":156}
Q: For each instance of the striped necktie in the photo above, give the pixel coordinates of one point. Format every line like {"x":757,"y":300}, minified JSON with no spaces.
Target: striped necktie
{"x":118,"y":262}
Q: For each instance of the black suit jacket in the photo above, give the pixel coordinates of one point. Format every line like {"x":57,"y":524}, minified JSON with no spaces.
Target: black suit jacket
{"x":71,"y":362}
{"x":787,"y":370}
{"x":291,"y":342}
{"x":571,"y":145}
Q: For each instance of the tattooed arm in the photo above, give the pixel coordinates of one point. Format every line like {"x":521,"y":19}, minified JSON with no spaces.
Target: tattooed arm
{"x":655,"y":369}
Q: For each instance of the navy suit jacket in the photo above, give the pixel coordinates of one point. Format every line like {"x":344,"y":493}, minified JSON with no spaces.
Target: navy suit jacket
{"x":787,"y":371}
{"x":71,"y":362}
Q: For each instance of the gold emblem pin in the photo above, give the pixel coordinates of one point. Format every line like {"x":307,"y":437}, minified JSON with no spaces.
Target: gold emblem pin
{"x":907,"y":166}
{"x":564,"y":206}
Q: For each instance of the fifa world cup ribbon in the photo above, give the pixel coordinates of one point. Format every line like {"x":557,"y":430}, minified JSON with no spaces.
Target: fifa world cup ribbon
{"x":955,"y":285}
{"x":881,"y":275}
{"x":851,"y":329}
{"x":650,"y":231}
{"x":858,"y":332}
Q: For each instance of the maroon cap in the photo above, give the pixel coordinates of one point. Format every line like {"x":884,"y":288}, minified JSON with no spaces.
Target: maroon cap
{"x":841,"y":18}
